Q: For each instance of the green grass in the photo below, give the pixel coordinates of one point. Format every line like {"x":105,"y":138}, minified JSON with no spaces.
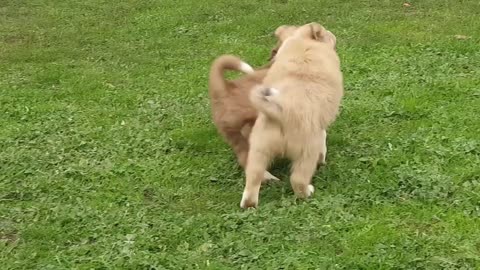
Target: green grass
{"x":109,"y":159}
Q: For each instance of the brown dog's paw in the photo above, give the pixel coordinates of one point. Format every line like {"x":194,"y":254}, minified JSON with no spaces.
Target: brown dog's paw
{"x":267,"y":177}
{"x":310,"y":190}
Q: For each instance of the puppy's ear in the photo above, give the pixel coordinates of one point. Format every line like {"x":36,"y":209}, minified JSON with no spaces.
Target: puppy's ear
{"x":331,"y":39}
{"x":274,"y":51}
{"x":317,"y":31}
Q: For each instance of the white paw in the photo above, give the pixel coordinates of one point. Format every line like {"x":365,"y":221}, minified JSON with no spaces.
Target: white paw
{"x":249,"y":200}
{"x":267,"y":176}
{"x":310,"y":190}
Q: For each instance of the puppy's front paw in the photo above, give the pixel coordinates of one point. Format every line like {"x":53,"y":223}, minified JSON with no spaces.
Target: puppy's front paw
{"x":249,"y":200}
{"x":267,"y":176}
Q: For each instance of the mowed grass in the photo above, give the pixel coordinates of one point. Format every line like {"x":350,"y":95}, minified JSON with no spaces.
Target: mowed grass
{"x":109,"y":159}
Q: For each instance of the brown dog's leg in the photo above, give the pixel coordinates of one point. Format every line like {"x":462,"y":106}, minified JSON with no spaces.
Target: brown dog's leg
{"x":239,"y":145}
{"x":246,"y":130}
{"x":302,"y":172}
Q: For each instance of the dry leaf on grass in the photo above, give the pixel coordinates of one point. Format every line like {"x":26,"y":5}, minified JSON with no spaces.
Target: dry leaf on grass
{"x":461,"y":37}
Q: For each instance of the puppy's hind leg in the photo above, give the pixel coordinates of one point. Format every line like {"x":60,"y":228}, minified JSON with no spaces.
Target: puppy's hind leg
{"x":256,"y":167}
{"x":323,"y":148}
{"x":267,"y":176}
{"x":302,"y":172}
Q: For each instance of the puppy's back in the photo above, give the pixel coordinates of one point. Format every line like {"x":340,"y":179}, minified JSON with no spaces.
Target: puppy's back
{"x":308,"y":76}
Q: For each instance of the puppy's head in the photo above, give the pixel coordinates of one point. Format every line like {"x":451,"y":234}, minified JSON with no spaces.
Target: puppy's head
{"x":313,"y":31}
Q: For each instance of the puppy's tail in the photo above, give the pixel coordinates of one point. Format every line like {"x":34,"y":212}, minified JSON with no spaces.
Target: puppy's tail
{"x":217,"y":82}
{"x":267,"y":100}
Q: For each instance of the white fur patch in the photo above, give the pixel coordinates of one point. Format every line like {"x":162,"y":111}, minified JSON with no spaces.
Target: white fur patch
{"x":310,"y":190}
{"x":274,"y":91}
{"x":248,"y":197}
{"x":246,"y":68}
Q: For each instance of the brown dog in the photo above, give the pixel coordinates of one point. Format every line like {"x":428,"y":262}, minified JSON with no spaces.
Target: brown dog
{"x":300,"y":97}
{"x":232,"y":111}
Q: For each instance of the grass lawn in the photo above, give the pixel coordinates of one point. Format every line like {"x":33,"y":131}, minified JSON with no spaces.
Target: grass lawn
{"x":109,"y":159}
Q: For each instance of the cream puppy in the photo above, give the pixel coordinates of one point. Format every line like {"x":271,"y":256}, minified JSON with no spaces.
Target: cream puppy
{"x":299,"y":98}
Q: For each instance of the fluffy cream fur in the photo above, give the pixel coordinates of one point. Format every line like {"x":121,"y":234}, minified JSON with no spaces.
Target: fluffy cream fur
{"x":299,"y":98}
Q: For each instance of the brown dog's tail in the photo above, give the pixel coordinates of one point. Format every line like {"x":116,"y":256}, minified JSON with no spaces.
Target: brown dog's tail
{"x":217,"y":82}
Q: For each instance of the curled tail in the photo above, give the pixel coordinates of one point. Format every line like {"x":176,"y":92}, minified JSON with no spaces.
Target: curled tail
{"x":267,"y":100}
{"x":217,"y":82}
